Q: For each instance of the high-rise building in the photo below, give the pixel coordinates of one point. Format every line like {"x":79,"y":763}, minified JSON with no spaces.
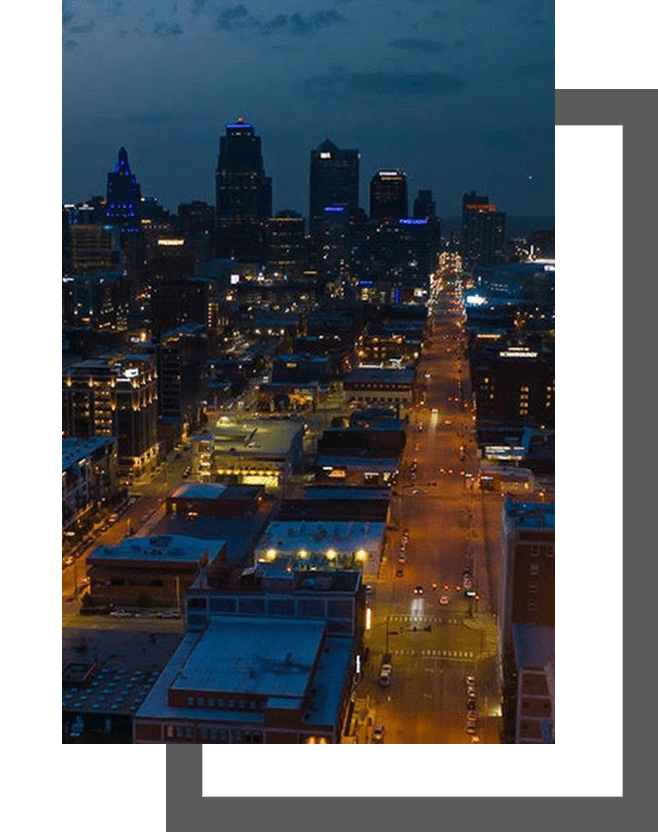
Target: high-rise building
{"x":178,"y":301}
{"x":123,"y":195}
{"x":89,"y":249}
{"x":114,"y":396}
{"x":286,"y":243}
{"x":482,"y":241}
{"x":334,"y":183}
{"x":388,"y":195}
{"x":424,"y":205}
{"x":243,"y":191}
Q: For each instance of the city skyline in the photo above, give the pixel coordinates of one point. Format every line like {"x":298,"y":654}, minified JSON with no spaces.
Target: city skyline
{"x":457,"y":97}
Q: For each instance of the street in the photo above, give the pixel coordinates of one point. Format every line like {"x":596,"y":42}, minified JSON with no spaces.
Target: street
{"x":426,"y":700}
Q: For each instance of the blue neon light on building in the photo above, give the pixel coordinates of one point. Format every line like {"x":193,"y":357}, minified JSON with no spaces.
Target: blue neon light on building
{"x":334,"y":208}
{"x":412,"y":221}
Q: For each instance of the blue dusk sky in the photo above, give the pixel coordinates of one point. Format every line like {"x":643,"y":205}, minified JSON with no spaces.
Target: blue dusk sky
{"x":458,"y":93}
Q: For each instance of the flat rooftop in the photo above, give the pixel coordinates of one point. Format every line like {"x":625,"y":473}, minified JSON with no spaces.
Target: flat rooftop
{"x":377,"y":375}
{"x":534,"y":645}
{"x":74,"y":449}
{"x":318,"y":536}
{"x":531,"y":515}
{"x":158,"y":548}
{"x":252,"y":436}
{"x":239,"y":533}
{"x":215,"y":491}
{"x":127,"y":665}
{"x":251,"y":655}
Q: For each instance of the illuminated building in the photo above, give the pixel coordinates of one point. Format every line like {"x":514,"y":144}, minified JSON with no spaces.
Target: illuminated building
{"x":482,"y":240}
{"x":98,"y":301}
{"x":90,"y":249}
{"x":334,"y":184}
{"x":196,"y":217}
{"x":123,"y":196}
{"x":532,"y":704}
{"x":89,"y":469}
{"x":114,"y":397}
{"x":243,"y":191}
{"x":286,"y":243}
{"x":388,"y":195}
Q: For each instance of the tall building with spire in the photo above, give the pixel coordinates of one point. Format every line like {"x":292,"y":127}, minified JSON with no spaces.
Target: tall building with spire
{"x":334,"y":184}
{"x":243,"y":191}
{"x":123,"y":195}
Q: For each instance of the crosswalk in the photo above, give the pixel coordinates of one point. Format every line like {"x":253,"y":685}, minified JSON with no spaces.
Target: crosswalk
{"x":463,"y":655}
{"x":424,"y":619}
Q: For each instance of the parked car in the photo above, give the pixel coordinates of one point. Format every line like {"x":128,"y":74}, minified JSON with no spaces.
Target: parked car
{"x":443,"y":600}
{"x":399,"y":573}
{"x":169,"y":614}
{"x":418,"y":590}
{"x":121,"y":614}
{"x":378,"y":734}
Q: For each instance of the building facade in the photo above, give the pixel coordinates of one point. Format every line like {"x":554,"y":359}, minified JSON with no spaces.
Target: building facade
{"x":388,"y":195}
{"x":334,"y":183}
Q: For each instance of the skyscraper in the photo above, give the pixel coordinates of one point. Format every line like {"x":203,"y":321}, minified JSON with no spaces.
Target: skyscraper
{"x":123,"y":195}
{"x":482,"y":240}
{"x":334,"y":183}
{"x":424,"y":205}
{"x":388,"y":195}
{"x":244,"y":193}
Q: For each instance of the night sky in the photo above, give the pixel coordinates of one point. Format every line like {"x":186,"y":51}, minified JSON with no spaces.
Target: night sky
{"x":458,"y":93}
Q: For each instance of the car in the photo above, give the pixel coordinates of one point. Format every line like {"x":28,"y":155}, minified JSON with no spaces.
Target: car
{"x":185,"y":474}
{"x":113,"y":518}
{"x":378,"y":734}
{"x":435,"y":410}
{"x":470,"y":691}
{"x":447,"y":422}
{"x":368,"y":589}
{"x":105,"y":527}
{"x":132,"y":501}
{"x":399,"y":573}
{"x":169,"y":614}
{"x":466,"y":580}
{"x":192,"y":515}
{"x":405,"y":532}
{"x":121,"y":614}
{"x":450,"y":471}
{"x":443,"y":600}
{"x":472,"y":716}
{"x":434,"y":584}
{"x":471,"y":704}
{"x":418,"y":590}
{"x":475,"y":738}
{"x":68,"y":561}
{"x":384,"y":679}
{"x":470,"y":680}
{"x":470,"y":729}
{"x":402,"y":558}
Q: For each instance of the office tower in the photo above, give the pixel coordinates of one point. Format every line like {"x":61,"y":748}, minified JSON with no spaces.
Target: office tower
{"x":424,"y":205}
{"x":90,"y":249}
{"x":181,"y":353}
{"x":114,"y":397}
{"x":196,"y":217}
{"x":179,"y":301}
{"x":243,"y":192}
{"x":482,"y":233}
{"x":334,"y":183}
{"x":388,"y":195}
{"x":286,"y":243}
{"x":123,"y":195}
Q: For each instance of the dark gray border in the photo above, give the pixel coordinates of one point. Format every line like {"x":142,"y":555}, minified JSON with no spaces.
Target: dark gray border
{"x":637,"y":111}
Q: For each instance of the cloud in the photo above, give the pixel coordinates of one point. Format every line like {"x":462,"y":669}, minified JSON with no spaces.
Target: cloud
{"x":166,"y":30}
{"x":70,"y":44}
{"x":418,"y":45}
{"x":197,"y":6}
{"x":237,"y":17}
{"x":234,"y":17}
{"x":67,"y":17}
{"x":82,"y":28}
{"x":382,"y":83}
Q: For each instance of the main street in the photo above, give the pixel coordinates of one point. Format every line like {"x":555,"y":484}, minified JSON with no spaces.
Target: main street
{"x":434,"y":646}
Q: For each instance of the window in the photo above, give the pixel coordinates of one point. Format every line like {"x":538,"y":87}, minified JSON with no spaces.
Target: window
{"x":213,"y":735}
{"x":204,"y":734}
{"x":179,"y":732}
{"x":241,"y":704}
{"x":170,"y":731}
{"x":237,"y":736}
{"x":550,"y":551}
{"x":534,"y":551}
{"x":231,"y":704}
{"x":190,"y":701}
{"x":532,"y":588}
{"x":223,"y":736}
{"x":253,"y":704}
{"x":220,"y":703}
{"x":534,"y":568}
{"x":211,"y":702}
{"x":532,"y":606}
{"x":188,"y":732}
{"x":199,"y":701}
